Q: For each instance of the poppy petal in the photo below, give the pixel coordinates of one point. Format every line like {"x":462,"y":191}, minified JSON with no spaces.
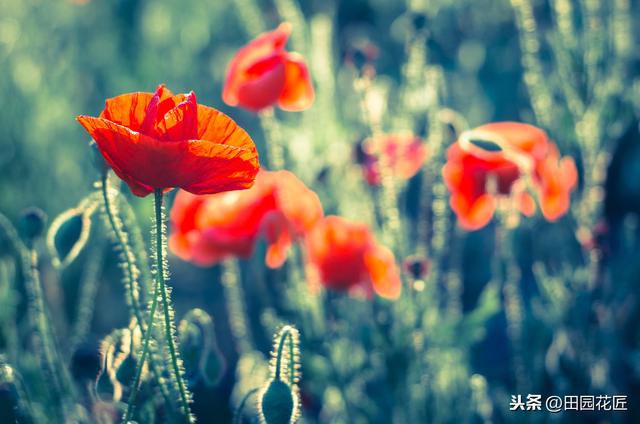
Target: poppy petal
{"x":264,"y":90}
{"x":476,"y":214}
{"x":384,"y":274}
{"x":212,"y":167}
{"x":180,"y":122}
{"x":130,"y":110}
{"x":217,"y":127}
{"x":137,"y":157}
{"x":298,"y":91}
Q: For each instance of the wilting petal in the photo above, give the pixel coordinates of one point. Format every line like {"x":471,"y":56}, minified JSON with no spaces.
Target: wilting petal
{"x":277,"y":232}
{"x":298,"y":91}
{"x":474,"y":214}
{"x":520,"y":136}
{"x":300,"y":206}
{"x":383,"y":271}
{"x":525,"y":203}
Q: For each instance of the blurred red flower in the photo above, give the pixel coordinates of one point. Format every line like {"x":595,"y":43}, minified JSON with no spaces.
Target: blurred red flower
{"x":263,"y":74}
{"x":507,"y":161}
{"x":404,"y":155}
{"x":343,"y":255}
{"x":208,"y":229}
{"x":161,"y":141}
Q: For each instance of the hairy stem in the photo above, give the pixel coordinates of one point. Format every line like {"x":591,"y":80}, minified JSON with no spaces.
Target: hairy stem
{"x":143,"y":356}
{"x":132,"y":291}
{"x":169,"y":327}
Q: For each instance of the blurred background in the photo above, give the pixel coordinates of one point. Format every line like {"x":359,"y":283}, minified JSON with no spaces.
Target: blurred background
{"x":60,"y":59}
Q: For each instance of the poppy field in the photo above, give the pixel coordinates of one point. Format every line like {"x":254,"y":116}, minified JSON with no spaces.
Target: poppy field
{"x":282,"y":211}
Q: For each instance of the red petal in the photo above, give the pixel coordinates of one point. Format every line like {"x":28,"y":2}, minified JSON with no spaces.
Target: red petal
{"x":383,"y":271}
{"x":298,"y":91}
{"x":138,"y":159}
{"x":212,"y":168}
{"x":198,"y":166}
{"x":129,"y":110}
{"x":216,"y":127}
{"x":263,"y":91}
{"x":180,"y":122}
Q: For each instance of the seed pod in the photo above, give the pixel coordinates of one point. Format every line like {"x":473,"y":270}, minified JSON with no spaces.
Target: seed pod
{"x":32,"y":223}
{"x":277,"y":403}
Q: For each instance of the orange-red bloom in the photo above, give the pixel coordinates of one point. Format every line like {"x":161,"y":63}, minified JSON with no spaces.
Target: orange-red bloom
{"x":507,"y":160}
{"x":343,"y":255}
{"x":160,"y":141}
{"x":263,"y":74}
{"x":279,"y":207}
{"x":403,"y":154}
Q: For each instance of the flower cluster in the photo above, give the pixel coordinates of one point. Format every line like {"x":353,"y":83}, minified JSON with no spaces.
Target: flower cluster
{"x":507,"y":164}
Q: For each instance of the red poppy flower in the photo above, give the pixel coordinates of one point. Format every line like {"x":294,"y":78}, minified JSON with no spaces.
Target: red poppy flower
{"x":343,"y":255}
{"x":279,"y":207}
{"x":404,"y":155}
{"x":263,"y":74}
{"x":160,"y":141}
{"x":507,"y":161}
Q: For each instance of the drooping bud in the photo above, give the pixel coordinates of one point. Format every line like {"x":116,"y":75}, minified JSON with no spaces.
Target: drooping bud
{"x":107,"y":387}
{"x":9,"y":400}
{"x":416,"y":266}
{"x":201,"y":356}
{"x":279,"y":401}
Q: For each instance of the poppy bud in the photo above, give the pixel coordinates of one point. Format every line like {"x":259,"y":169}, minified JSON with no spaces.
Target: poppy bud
{"x":107,"y":386}
{"x":8,"y":395}
{"x":419,"y":21}
{"x":360,"y":154}
{"x":32,"y":223}
{"x":416,"y":266}
{"x":67,"y":236}
{"x":98,"y":160}
{"x":191,"y":347}
{"x":277,"y":403}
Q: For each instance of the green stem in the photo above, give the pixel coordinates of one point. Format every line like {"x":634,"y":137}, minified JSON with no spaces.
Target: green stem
{"x":131,"y":289}
{"x":169,"y":328}
{"x":130,"y":268}
{"x":286,"y":336}
{"x":145,"y":352}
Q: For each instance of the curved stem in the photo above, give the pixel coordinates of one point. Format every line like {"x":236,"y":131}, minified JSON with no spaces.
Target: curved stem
{"x":130,"y":268}
{"x":169,"y":328}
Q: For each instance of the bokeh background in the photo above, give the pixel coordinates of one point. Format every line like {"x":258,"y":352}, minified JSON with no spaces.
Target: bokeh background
{"x":59,"y":59}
